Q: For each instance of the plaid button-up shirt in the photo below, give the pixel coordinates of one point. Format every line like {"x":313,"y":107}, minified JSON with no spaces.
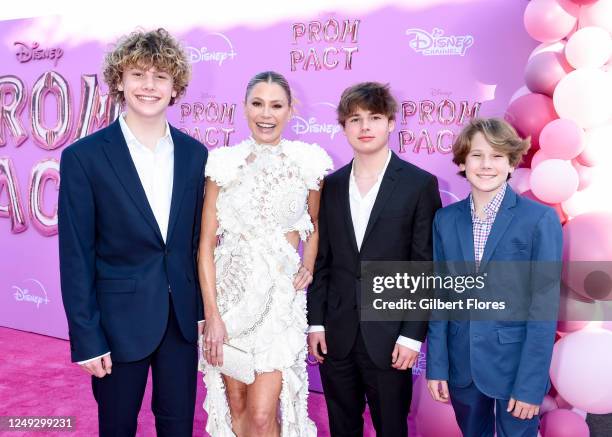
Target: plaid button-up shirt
{"x":481,"y":228}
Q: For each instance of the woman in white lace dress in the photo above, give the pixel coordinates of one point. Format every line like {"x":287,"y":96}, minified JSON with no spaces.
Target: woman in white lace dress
{"x":262,"y":198}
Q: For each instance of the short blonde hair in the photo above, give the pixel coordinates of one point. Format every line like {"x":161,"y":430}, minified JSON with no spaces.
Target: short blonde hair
{"x":156,"y":48}
{"x":499,"y":134}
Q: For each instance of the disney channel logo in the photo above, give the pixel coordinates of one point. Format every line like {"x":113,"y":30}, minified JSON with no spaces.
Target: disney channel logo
{"x":25,"y":53}
{"x":206,"y":54}
{"x":24,"y":294}
{"x":436,"y":44}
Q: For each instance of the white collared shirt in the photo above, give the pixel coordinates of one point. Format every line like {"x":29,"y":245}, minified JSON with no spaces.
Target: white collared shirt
{"x":361,"y":206}
{"x":361,"y":209}
{"x":156,"y":173}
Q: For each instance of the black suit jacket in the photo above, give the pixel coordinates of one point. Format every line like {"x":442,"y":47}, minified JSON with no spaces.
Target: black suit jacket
{"x":115,"y":266}
{"x":399,"y":229}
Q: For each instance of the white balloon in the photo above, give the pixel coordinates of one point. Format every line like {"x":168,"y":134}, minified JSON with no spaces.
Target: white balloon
{"x":599,"y":144}
{"x":597,"y":14}
{"x":584,"y":96}
{"x":589,"y":47}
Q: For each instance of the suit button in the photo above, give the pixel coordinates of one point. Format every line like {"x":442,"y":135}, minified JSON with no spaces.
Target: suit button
{"x":166,"y":251}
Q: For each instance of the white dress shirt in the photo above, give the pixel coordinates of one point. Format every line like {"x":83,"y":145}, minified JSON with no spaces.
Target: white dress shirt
{"x":156,"y":172}
{"x":361,"y":209}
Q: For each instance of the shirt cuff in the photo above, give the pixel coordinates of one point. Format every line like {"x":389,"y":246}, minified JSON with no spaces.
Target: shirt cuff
{"x":316,"y":328}
{"x":201,"y":321}
{"x":92,"y":359}
{"x":410,"y":343}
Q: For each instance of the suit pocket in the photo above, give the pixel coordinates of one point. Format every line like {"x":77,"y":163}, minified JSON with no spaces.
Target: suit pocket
{"x":116,"y":285}
{"x":511,"y":335}
{"x":514,"y":247}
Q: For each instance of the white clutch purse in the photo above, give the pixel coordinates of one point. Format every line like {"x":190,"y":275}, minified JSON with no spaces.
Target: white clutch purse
{"x":237,"y":363}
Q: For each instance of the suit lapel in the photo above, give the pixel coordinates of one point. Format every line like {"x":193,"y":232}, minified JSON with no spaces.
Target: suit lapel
{"x":181,"y":161}
{"x":500,"y":225}
{"x":387,"y":186}
{"x":345,"y":204}
{"x":118,"y":154}
{"x":465,"y":232}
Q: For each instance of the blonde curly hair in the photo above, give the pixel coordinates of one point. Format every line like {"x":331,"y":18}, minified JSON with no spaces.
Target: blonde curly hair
{"x":156,"y":48}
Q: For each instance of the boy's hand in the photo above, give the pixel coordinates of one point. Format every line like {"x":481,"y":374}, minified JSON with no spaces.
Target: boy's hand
{"x":438,"y":390}
{"x":522,"y":410}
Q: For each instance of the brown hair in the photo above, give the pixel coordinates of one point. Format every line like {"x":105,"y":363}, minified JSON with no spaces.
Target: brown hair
{"x":499,"y":134}
{"x":269,"y":77}
{"x":371,"y":96}
{"x":156,"y":48}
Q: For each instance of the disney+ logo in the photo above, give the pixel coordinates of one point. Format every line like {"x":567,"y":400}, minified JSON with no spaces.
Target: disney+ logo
{"x":35,"y":293}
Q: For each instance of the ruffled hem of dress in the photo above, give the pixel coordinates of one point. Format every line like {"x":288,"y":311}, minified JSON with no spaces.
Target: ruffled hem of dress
{"x":293,"y":403}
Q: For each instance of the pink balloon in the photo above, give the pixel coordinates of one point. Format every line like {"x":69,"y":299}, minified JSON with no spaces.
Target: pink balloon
{"x":539,"y":157}
{"x":545,"y":70}
{"x":598,"y":14}
{"x":563,"y":423}
{"x":584,"y":2}
{"x":550,"y":20}
{"x":556,"y":47}
{"x":584,"y":96}
{"x":562,"y":139}
{"x":589,"y":47}
{"x":587,"y":252}
{"x":585,"y":175}
{"x":520,"y":180}
{"x":432,"y":418}
{"x":548,"y":404}
{"x":579,"y":203}
{"x":554,"y":180}
{"x":529,"y":114}
{"x":580,"y":371}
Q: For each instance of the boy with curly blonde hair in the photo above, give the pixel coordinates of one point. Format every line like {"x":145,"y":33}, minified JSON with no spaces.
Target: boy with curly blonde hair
{"x":130,"y":208}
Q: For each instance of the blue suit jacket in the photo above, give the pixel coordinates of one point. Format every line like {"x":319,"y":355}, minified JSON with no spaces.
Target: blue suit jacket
{"x":115,"y":267}
{"x":503,"y":358}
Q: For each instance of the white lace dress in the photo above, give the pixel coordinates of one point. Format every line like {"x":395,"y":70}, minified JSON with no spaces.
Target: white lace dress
{"x":263,"y":196}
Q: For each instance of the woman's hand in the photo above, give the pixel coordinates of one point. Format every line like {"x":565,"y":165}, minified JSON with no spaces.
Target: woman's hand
{"x":303,"y":278}
{"x":214,"y":337}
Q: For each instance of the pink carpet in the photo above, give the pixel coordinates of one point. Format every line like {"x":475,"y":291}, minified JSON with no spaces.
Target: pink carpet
{"x":38,"y":379}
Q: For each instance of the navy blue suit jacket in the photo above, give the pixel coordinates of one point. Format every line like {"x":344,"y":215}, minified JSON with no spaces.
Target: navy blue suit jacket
{"x":115,"y":268}
{"x":503,"y":358}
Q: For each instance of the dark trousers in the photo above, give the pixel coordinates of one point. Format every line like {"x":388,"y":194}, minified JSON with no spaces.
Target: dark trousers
{"x":349,"y":381}
{"x":174,"y":369}
{"x":479,"y":415}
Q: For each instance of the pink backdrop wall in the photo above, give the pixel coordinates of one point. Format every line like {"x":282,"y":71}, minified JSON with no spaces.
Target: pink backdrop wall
{"x":443,"y":63}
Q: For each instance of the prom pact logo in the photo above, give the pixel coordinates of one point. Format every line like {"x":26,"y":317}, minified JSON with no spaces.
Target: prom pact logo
{"x":36,"y":296}
{"x":311,"y":125}
{"x":219,"y":50}
{"x":436,"y":44}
